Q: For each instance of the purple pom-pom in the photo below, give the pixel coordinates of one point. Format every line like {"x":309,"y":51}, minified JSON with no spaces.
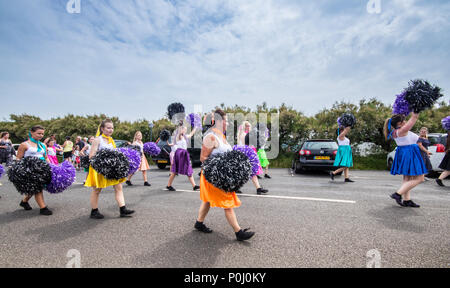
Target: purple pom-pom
{"x":446,"y":123}
{"x":252,"y":156}
{"x":2,"y":170}
{"x":401,"y":106}
{"x":151,"y":149}
{"x":63,"y":176}
{"x":194,"y":120}
{"x":134,"y":159}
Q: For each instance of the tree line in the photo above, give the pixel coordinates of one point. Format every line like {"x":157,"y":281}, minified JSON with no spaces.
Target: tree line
{"x":294,"y":126}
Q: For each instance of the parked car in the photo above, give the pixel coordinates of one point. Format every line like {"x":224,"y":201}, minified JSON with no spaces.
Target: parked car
{"x":163,"y":159}
{"x":317,"y":154}
{"x":121,"y":143}
{"x":437,"y":148}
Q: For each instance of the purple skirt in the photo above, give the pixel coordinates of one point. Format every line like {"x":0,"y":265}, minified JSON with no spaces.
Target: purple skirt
{"x":182,"y":163}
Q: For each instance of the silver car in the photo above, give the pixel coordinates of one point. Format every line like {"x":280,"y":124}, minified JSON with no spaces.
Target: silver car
{"x":437,"y":148}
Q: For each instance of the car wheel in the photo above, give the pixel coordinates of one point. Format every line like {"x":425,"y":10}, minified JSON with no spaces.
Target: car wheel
{"x":162,"y":166}
{"x":298,"y":168}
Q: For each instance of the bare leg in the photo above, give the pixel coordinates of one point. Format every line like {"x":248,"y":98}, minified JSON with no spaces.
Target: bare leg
{"x":232,"y":220}
{"x":144,"y":173}
{"x":256,"y":182}
{"x":39,"y":197}
{"x":409,"y":185}
{"x":94,"y":197}
{"x":171,"y":178}
{"x":191,"y":179}
{"x":346,"y":172}
{"x":203,"y":211}
{"x":338,"y":170}
{"x":444,"y":174}
{"x":119,"y":195}
{"x":26,"y":198}
{"x":129,"y":177}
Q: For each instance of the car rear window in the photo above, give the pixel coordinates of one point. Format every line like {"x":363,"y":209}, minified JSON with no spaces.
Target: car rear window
{"x":320,"y":145}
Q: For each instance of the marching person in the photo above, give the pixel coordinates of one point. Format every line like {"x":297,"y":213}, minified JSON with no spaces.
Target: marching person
{"x":344,"y":158}
{"x":445,"y":164}
{"x":424,"y":143}
{"x":137,"y":141}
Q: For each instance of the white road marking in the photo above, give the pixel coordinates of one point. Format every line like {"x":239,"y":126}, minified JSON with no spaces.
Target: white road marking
{"x":282,"y":197}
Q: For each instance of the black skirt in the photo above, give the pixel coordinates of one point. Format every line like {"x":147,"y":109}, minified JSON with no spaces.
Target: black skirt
{"x":445,"y":164}
{"x":427,"y":161}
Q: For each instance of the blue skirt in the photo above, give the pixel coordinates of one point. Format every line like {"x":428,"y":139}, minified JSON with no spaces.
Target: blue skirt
{"x":408,"y":161}
{"x":344,"y":157}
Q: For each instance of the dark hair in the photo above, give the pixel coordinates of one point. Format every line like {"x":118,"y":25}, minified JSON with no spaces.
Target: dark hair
{"x":219,"y":114}
{"x":104,"y":122}
{"x":68,"y":138}
{"x":36,"y":128}
{"x":395,"y":120}
{"x":3,"y":134}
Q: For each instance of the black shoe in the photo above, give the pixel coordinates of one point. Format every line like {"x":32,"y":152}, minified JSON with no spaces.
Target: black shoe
{"x":439,"y":182}
{"x":267,"y":176}
{"x":124,"y":212}
{"x":25,"y":205}
{"x":410,"y":203}
{"x":332,"y":176}
{"x":147,"y":184}
{"x":129,"y":183}
{"x":199,"y":173}
{"x":202,"y":227}
{"x":95,"y":214}
{"x":196,"y":187}
{"x":238,"y":192}
{"x":244,"y":235}
{"x":348,"y":180}
{"x":259,"y":177}
{"x":170,"y":188}
{"x":398,"y":198}
{"x":261,"y":190}
{"x":45,"y":211}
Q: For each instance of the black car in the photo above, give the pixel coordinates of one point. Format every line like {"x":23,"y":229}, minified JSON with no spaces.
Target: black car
{"x":163,"y":159}
{"x":315,"y":155}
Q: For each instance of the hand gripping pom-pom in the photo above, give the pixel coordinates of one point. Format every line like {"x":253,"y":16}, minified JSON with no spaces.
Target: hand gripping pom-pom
{"x":446,"y":123}
{"x":401,"y":106}
{"x":421,"y":95}
{"x":174,"y":109}
{"x":252,"y":157}
{"x":112,"y":164}
{"x":134,"y":159}
{"x":228,"y":171}
{"x":30,"y":175}
{"x":63,"y":176}
{"x":85,"y":161}
{"x":194,"y":120}
{"x":164,"y":135}
{"x":347,"y":120}
{"x":151,"y":149}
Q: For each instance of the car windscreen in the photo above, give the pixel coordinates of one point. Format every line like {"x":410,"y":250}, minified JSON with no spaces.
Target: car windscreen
{"x":320,"y":145}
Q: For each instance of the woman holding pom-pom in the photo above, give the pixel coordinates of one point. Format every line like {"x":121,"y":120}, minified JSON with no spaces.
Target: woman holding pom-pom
{"x":214,"y":142}
{"x":445,"y":164}
{"x":344,"y":158}
{"x":34,"y":148}
{"x":96,"y":180}
{"x":408,"y":160}
{"x":137,"y":141}
{"x":181,"y":162}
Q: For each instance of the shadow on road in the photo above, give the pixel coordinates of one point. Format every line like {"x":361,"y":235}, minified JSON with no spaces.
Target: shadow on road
{"x":397,"y":218}
{"x":193,"y":250}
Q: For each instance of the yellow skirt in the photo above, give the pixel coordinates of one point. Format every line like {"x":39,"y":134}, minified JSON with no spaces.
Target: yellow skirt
{"x":96,"y":180}
{"x":216,"y":197}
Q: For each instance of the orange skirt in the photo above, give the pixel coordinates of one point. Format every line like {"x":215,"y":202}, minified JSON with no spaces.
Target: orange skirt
{"x":144,"y":164}
{"x":217,"y":197}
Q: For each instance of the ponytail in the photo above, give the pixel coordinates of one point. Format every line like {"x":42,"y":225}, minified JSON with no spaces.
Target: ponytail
{"x":391,"y":124}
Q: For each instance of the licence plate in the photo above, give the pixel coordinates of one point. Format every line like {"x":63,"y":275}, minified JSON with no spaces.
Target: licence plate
{"x":322,"y":157}
{"x":162,"y":161}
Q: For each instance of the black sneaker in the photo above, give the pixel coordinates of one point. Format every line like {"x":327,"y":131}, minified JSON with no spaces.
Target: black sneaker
{"x":202,"y":227}
{"x":267,"y":176}
{"x":95,"y":214}
{"x":196,"y":187}
{"x":124,"y":212}
{"x":348,"y":180}
{"x":25,"y":205}
{"x":170,"y":188}
{"x":45,"y":211}
{"x":410,"y":203}
{"x":397,"y":198}
{"x":439,"y":182}
{"x":261,"y":190}
{"x":259,"y":177}
{"x":332,"y":176}
{"x":147,"y":184}
{"x":129,"y":183}
{"x":244,"y":235}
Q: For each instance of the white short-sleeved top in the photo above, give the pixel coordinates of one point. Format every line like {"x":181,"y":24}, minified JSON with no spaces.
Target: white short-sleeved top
{"x":223,"y":147}
{"x":409,"y":139}
{"x":105,"y":145}
{"x":344,"y":142}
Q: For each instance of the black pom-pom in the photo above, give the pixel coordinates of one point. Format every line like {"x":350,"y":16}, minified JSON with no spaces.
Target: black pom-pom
{"x":421,"y":95}
{"x":228,"y":171}
{"x":30,"y":175}
{"x":112,"y":164}
{"x":174,"y":109}
{"x":164,"y":135}
{"x":85,"y":161}
{"x":347,"y":120}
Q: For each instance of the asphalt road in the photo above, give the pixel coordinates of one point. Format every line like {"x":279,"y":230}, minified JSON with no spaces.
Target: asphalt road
{"x":306,"y":221}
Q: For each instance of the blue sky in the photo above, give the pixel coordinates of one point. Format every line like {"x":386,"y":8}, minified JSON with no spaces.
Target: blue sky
{"x":132,"y":58}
